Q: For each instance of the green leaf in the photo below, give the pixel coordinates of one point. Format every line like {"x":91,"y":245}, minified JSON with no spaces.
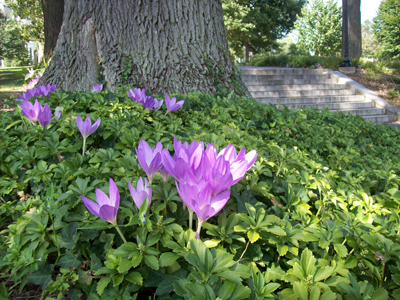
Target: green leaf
{"x":212,"y":243}
{"x":328,"y":296}
{"x":230,"y":275}
{"x":42,"y":276}
{"x":166,"y":286}
{"x":241,"y":292}
{"x":134,"y":277}
{"x":315,"y":293}
{"x":102,"y":284}
{"x":300,"y":291}
{"x":69,"y":260}
{"x":323,"y":273}
{"x":274,"y":273}
{"x":68,"y":234}
{"x":340,"y":249}
{"x":380,"y":294}
{"x":124,"y":265}
{"x":168,"y":258}
{"x":117,"y":279}
{"x":253,"y":236}
{"x":226,"y":290}
{"x":151,"y":261}
{"x":95,"y":262}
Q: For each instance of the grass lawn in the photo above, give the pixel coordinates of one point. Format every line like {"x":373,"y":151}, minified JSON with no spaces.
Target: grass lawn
{"x":9,"y":85}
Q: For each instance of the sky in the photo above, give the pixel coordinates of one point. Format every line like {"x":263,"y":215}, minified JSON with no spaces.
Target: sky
{"x":368,"y":9}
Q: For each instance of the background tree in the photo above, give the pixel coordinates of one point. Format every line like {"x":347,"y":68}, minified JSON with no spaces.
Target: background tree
{"x":386,"y":27}
{"x":12,"y":43}
{"x":44,"y":20}
{"x":165,"y":46}
{"x":265,"y":21}
{"x":320,"y":28}
{"x":370,"y":44}
{"x":30,"y":10}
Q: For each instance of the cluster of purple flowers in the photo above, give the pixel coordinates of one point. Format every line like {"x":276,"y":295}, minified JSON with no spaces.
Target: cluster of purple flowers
{"x":37,"y":112}
{"x":152,"y":103}
{"x":203,"y":178}
{"x":43,"y":90}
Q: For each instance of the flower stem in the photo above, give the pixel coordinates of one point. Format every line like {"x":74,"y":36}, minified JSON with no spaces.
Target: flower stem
{"x":84,"y":146}
{"x":120,"y":233}
{"x":198,"y":228}
{"x":190,"y":218}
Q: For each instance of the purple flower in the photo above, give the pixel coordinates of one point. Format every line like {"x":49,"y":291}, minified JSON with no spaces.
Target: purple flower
{"x":44,"y":115}
{"x":106,"y":207}
{"x":34,"y":81}
{"x":158,"y":104}
{"x":137,"y":95}
{"x":141,"y":193}
{"x":86,"y":128}
{"x":149,"y":159}
{"x":31,"y":111}
{"x":239,"y":163}
{"x":196,"y":195}
{"x":43,"y":90}
{"x":360,"y":66}
{"x":97,"y":88}
{"x":172,"y":105}
{"x":287,"y":65}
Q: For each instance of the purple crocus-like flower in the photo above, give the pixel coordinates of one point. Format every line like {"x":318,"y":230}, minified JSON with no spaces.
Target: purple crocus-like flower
{"x":86,"y":128}
{"x":186,"y":156}
{"x":172,"y":105}
{"x":196,"y":195}
{"x":44,"y":115}
{"x":34,"y":81}
{"x":360,"y":66}
{"x":239,"y":163}
{"x":97,"y":88}
{"x":157,"y":104}
{"x":149,"y":159}
{"x":43,"y":90}
{"x":31,"y":111}
{"x":140,"y":194}
{"x":106,"y":207}
{"x":137,"y":95}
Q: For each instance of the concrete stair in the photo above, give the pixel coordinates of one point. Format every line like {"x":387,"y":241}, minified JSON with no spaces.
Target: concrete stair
{"x":297,"y":88}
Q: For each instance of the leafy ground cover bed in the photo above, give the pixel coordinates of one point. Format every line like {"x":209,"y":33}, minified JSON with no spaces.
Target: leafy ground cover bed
{"x":315,"y":217}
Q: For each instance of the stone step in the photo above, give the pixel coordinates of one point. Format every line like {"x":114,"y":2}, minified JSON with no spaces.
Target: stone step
{"x":281,"y":71}
{"x":363,"y":112}
{"x":250,"y":82}
{"x":303,"y":100}
{"x":275,"y":94}
{"x":381,"y":118}
{"x":267,"y":78}
{"x":332,"y":106}
{"x":295,"y":87}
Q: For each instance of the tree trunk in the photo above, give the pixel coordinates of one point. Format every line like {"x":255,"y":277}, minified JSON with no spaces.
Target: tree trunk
{"x":53,"y":11}
{"x":354,"y":21}
{"x":247,"y":51}
{"x":174,"y":46}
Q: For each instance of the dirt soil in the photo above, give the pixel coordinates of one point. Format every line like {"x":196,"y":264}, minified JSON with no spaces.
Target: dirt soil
{"x":381,"y":84}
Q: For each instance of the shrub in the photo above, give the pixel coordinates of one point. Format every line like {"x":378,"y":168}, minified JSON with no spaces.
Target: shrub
{"x":317,"y":214}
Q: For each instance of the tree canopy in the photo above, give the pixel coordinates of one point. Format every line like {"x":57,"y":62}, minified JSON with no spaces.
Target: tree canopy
{"x":320,"y":27}
{"x":260,"y":23}
{"x":30,"y":10}
{"x":386,"y":27}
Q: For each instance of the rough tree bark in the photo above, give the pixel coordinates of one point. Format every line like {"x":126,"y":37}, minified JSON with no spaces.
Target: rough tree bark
{"x":174,"y":46}
{"x":354,"y":21}
{"x":53,"y":17}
